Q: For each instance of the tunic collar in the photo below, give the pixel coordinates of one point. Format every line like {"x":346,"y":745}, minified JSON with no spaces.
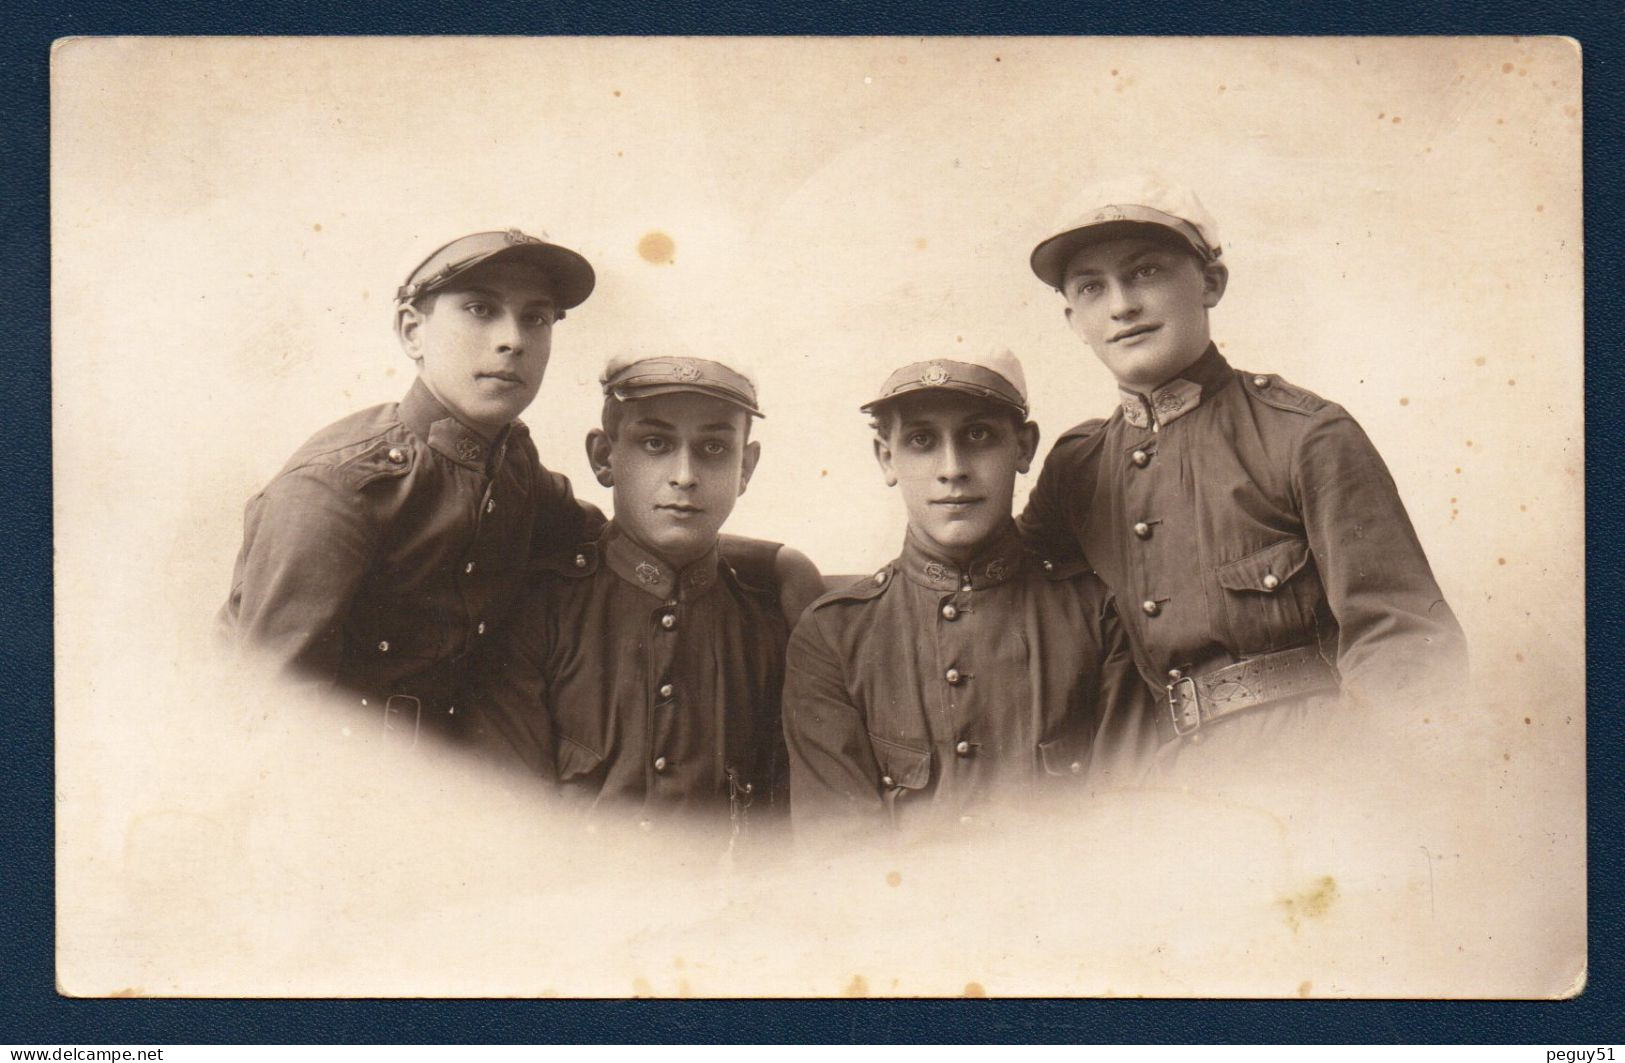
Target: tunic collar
{"x":998,"y":562}
{"x":650,"y":574}
{"x":1180,"y":395}
{"x":431,"y":422}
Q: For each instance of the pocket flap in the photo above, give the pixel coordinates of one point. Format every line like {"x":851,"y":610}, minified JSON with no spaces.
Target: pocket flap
{"x":576,"y":760}
{"x":1066,"y":755}
{"x":905,"y":767}
{"x":1267,"y":569}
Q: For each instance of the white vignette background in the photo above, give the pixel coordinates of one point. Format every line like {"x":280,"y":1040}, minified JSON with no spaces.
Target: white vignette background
{"x":230,"y":219}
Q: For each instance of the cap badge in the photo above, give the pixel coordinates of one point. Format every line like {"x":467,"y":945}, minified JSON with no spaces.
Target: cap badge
{"x":685,"y":371}
{"x":936,"y":573}
{"x":468,"y":450}
{"x":514,"y":236}
{"x":935,"y":375}
{"x":647,"y":573}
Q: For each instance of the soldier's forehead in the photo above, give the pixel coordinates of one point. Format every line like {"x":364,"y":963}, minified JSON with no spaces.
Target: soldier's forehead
{"x":945,"y":403}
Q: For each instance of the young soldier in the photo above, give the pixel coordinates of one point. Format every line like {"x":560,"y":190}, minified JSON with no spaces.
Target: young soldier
{"x":1249,"y":526}
{"x":968,"y":667}
{"x":393,"y":542}
{"x":643,"y":670}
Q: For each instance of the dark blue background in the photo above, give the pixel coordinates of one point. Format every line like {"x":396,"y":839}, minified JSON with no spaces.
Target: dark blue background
{"x":34,"y":1014}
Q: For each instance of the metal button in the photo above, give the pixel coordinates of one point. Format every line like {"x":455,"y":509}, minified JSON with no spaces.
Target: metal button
{"x":1151,"y":608}
{"x":1175,"y":674}
{"x":880,"y":577}
{"x":962,"y":748}
{"x":1140,"y":458}
{"x":468,"y":568}
{"x":1196,"y":738}
{"x":1142,"y":529}
{"x":1261,"y":381}
{"x":383,"y":647}
{"x":1049,"y":566}
{"x":396,"y":455}
{"x":668,"y":621}
{"x":665,"y":690}
{"x":750,"y":788}
{"x":490,"y":505}
{"x":886,"y":780}
{"x":1271,"y":581}
{"x":581,"y":561}
{"x":480,"y":628}
{"x":949,"y":612}
{"x":952,"y":676}
{"x":660,"y":764}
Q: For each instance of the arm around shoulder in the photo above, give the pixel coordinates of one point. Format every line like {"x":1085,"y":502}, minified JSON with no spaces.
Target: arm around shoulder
{"x":800,"y":582}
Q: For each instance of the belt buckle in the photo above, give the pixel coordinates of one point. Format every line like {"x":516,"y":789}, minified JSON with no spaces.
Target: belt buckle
{"x":1184,"y":708}
{"x":407,"y":703}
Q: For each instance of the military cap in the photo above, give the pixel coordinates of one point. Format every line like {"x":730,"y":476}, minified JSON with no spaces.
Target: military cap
{"x":996,"y":376}
{"x":572,"y":275}
{"x":1117,"y":207}
{"x":631,"y":376}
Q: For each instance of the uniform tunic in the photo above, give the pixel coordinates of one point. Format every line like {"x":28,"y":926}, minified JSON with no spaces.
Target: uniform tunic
{"x":1234,"y":515}
{"x":390,"y":544}
{"x":918,"y":694}
{"x":643,"y":689}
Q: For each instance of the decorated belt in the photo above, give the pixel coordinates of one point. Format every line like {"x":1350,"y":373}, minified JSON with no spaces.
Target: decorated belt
{"x":1195,"y":700}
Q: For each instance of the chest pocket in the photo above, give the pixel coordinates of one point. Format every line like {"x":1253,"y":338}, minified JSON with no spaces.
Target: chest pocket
{"x":1270,"y":597}
{"x":575,"y":761}
{"x":904,"y":773}
{"x":1066,"y":755}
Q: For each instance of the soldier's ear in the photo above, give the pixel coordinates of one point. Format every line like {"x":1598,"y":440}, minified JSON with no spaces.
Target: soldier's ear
{"x":1215,"y":275}
{"x":409,"y":329}
{"x":753,"y":454}
{"x":598,"y":449}
{"x":884,"y":457}
{"x":1027,"y":442}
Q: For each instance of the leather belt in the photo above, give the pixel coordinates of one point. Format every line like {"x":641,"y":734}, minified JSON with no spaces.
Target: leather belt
{"x":1196,"y":700}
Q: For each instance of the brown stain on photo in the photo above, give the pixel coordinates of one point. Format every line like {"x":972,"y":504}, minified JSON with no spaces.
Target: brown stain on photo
{"x":658,"y":249}
{"x":1305,"y":988}
{"x":127,"y":993}
{"x":1311,"y":903}
{"x":974,"y":990}
{"x":642,"y":988}
{"x":893,"y":878}
{"x":858,"y":987}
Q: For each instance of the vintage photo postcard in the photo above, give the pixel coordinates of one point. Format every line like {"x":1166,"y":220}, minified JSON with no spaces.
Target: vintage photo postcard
{"x":1085,"y":517}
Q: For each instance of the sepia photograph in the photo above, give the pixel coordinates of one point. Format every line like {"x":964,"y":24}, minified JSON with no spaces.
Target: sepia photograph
{"x":610,"y":517}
